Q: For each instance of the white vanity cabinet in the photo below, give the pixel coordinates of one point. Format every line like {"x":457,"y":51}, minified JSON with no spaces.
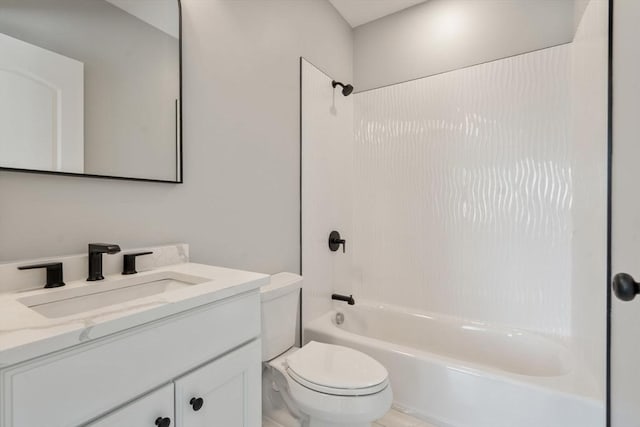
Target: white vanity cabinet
{"x":210,"y":352}
{"x":152,"y":410}
{"x":223,"y":393}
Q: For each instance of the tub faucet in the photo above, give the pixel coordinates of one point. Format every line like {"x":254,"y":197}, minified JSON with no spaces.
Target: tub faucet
{"x":95,"y":258}
{"x":348,"y":299}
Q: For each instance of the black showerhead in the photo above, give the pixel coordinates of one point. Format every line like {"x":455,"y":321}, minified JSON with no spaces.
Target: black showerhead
{"x":346,"y":89}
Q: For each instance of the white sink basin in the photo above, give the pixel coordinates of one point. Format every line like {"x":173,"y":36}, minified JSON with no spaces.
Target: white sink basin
{"x":67,"y":302}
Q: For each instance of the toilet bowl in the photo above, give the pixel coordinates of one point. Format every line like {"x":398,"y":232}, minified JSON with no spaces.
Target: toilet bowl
{"x":318,"y":385}
{"x":334,"y":385}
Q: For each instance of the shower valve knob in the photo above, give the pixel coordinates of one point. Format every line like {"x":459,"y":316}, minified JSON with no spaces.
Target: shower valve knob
{"x":625,"y":287}
{"x":335,"y":241}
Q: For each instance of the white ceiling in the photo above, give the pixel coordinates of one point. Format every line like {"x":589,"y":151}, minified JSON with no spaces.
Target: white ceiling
{"x":358,"y":12}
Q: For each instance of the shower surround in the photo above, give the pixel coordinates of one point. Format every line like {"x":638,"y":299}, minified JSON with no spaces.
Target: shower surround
{"x":462,"y":191}
{"x":476,"y":195}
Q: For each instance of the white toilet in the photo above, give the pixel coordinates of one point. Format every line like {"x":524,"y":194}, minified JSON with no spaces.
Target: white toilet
{"x":318,"y":385}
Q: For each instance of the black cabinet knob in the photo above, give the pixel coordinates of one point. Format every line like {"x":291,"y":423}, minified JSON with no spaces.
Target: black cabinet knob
{"x":163,"y":422}
{"x":625,"y":287}
{"x":196,"y":403}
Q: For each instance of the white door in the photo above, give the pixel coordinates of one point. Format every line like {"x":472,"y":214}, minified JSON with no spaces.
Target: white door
{"x":225,"y":393}
{"x":154,"y":409}
{"x":41,"y":108}
{"x":625,"y":218}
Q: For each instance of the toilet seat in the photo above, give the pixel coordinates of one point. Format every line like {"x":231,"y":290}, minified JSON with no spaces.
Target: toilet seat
{"x":336,"y":370}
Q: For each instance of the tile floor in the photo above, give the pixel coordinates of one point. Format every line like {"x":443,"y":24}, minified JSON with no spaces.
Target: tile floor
{"x":266,"y":422}
{"x":393,"y":418}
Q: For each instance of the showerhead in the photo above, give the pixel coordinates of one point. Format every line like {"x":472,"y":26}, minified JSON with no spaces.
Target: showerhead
{"x":346,"y":89}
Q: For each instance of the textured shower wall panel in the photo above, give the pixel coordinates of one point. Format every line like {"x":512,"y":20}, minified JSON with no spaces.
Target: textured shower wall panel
{"x":327,"y":163}
{"x":463,"y":192}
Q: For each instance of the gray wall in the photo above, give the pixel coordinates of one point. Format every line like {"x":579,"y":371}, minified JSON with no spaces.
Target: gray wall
{"x":239,"y":205}
{"x":131,"y":80}
{"x":444,"y":35}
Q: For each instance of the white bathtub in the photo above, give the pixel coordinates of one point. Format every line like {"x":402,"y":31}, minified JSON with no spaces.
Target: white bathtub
{"x":457,"y":373}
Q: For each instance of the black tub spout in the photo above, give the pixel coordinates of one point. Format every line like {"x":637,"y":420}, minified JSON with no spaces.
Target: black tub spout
{"x":348,"y":299}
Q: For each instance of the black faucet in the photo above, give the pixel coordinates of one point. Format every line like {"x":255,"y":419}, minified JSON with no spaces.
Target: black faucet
{"x":348,"y":299}
{"x":95,"y":258}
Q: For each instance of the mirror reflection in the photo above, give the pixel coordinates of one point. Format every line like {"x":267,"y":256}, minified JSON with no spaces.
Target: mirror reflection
{"x":91,"y":87}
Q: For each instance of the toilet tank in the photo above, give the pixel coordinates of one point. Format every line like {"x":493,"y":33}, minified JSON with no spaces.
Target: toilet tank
{"x":280,"y":301}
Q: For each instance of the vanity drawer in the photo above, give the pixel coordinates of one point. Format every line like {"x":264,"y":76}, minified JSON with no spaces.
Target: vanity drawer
{"x":73,"y":386}
{"x":143,"y":412}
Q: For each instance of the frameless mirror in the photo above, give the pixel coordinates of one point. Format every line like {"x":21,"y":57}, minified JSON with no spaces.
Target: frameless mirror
{"x":91,"y":88}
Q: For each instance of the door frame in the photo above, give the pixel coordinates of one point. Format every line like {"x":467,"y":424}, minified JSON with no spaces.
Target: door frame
{"x":609,"y":211}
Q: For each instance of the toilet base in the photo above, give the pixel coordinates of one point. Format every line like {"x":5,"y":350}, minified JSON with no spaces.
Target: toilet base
{"x":309,"y":408}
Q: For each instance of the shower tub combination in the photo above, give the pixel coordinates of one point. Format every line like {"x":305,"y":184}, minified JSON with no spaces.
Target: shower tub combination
{"x":458,"y":373}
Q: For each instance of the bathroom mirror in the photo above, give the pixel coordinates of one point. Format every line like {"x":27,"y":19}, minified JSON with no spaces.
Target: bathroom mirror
{"x":91,"y":88}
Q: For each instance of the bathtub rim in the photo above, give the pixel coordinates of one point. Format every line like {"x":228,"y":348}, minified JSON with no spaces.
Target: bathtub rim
{"x":573,"y":383}
{"x":559,"y":340}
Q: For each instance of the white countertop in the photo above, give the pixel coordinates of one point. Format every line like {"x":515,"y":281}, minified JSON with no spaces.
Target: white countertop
{"x":26,"y":334}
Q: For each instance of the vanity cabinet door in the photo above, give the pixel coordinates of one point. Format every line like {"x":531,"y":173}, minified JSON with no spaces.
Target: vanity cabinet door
{"x":154,"y":409}
{"x":223,"y":393}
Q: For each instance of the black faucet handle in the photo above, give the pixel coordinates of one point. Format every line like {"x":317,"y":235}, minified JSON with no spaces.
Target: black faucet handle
{"x":130,"y":262}
{"x":54,"y":273}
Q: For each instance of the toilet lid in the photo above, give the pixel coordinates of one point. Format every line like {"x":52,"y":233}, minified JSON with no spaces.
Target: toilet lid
{"x":338,"y":370}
